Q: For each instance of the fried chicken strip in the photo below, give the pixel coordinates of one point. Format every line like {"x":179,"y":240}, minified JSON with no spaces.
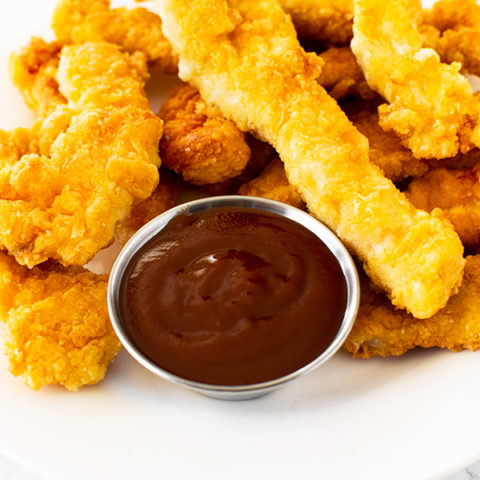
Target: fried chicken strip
{"x":273,"y":183}
{"x":431,"y":105}
{"x":247,"y":60}
{"x":198,"y":141}
{"x":381,"y":330}
{"x":58,"y":328}
{"x":457,"y":193}
{"x":89,"y":162}
{"x":81,"y":21}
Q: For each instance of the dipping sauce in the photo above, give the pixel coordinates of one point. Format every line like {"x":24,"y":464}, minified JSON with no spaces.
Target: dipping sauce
{"x":233,"y":296}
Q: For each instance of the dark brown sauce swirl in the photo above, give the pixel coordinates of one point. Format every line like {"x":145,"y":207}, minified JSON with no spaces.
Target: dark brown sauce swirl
{"x":233,"y":297}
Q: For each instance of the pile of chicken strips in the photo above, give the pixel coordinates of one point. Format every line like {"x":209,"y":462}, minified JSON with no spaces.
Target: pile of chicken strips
{"x":358,"y":111}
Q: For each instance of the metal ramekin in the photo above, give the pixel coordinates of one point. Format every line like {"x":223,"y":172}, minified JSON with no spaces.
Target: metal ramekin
{"x":235,"y":392}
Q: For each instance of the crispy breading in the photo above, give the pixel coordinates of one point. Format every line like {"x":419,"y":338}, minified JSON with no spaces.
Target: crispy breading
{"x":457,"y":193}
{"x":90,"y":162}
{"x":272,"y":183}
{"x":198,"y":141}
{"x":386,"y":150}
{"x":81,"y":21}
{"x":326,"y":21}
{"x":33,"y":71}
{"x":163,"y":198}
{"x":247,"y":60}
{"x":381,"y":330}
{"x":431,"y":105}
{"x":57,"y":326}
{"x":452,"y":28}
{"x":341,"y":75}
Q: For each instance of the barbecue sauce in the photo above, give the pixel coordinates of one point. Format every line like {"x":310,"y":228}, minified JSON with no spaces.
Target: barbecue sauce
{"x":233,"y":296}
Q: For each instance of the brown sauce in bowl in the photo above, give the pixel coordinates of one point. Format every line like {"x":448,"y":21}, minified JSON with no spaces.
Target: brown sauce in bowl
{"x":233,"y":296}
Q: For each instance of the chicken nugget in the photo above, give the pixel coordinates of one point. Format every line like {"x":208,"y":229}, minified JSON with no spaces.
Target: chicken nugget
{"x":57,"y":326}
{"x":198,"y":141}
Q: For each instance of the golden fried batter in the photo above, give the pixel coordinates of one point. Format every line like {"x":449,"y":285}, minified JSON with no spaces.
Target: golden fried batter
{"x":33,"y":70}
{"x":247,"y":60}
{"x":326,"y":21}
{"x":457,"y":193}
{"x":341,"y":75}
{"x":272,"y":183}
{"x":89,"y":162}
{"x":58,"y":328}
{"x":81,"y":21}
{"x":431,"y":105}
{"x":198,"y":141}
{"x":163,"y":198}
{"x":452,"y":28}
{"x":380,"y":330}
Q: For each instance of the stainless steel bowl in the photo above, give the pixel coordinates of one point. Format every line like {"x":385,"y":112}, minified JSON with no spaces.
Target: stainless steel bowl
{"x":236,"y":392}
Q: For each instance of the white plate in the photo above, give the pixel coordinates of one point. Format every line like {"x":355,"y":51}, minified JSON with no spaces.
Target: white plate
{"x":414,"y":417}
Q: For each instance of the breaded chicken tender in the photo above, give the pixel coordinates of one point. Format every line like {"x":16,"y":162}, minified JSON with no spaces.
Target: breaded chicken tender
{"x":88,"y":163}
{"x":457,"y":193}
{"x":386,"y":150}
{"x":431,"y":105}
{"x":33,"y":70}
{"x":326,"y":21}
{"x":380,"y":330}
{"x":81,"y":21}
{"x":57,"y":326}
{"x":163,"y":198}
{"x":248,"y":62}
{"x":273,"y":183}
{"x":198,"y":141}
{"x":341,"y":75}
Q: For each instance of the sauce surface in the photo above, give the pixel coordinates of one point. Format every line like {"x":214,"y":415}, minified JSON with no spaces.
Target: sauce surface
{"x":233,"y":296}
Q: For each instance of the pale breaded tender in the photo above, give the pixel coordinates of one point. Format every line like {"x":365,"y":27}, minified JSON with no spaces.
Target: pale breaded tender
{"x":273,"y":183}
{"x":81,"y":21}
{"x":247,"y":60}
{"x":457,"y":193}
{"x":163,"y":198}
{"x":198,"y":141}
{"x":381,"y":330}
{"x":33,"y":71}
{"x":341,"y":75}
{"x":386,"y":150}
{"x":91,"y":161}
{"x":57,"y":326}
{"x":431,"y":105}
{"x":326,"y":21}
